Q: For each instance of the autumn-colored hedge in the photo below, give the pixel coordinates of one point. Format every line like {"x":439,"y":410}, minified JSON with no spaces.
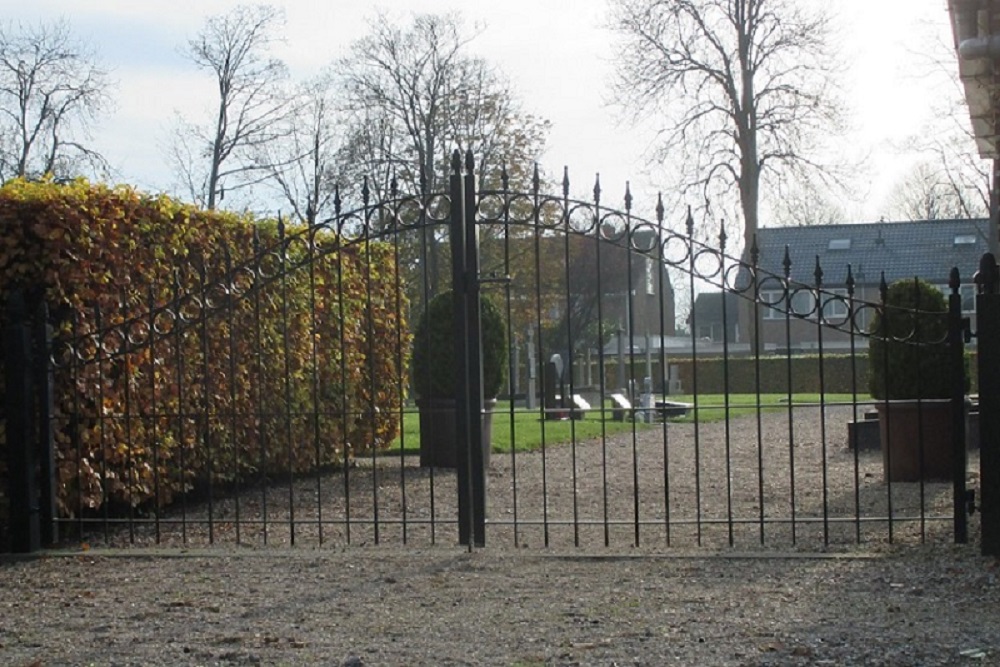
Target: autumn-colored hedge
{"x":198,"y":349}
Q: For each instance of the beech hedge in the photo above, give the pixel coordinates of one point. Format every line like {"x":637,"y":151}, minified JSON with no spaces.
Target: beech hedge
{"x":198,"y":348}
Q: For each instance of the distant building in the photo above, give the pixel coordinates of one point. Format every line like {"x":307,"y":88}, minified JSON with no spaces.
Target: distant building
{"x":927,"y":249}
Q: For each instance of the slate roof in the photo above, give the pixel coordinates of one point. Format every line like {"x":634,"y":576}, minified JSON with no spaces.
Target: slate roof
{"x":924,"y":248}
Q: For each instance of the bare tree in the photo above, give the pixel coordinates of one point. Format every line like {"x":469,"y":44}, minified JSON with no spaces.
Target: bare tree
{"x":950,"y":180}
{"x":234,"y":48}
{"x":51,"y":90}
{"x":936,"y":190}
{"x":799,"y":203}
{"x":740,"y":87}
{"x":415,"y":96}
{"x":304,"y":164}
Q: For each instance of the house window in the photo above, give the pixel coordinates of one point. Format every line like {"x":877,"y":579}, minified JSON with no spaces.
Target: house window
{"x":803,"y":303}
{"x":835,"y":307}
{"x":968,"y":294}
{"x":839,"y":244}
{"x":965,"y":239}
{"x":776,"y":298}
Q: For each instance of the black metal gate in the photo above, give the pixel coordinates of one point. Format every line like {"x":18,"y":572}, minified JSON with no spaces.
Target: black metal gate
{"x":265,"y":401}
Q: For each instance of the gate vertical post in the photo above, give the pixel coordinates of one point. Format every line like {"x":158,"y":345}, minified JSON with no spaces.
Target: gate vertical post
{"x":25,"y":535}
{"x":477,"y":458}
{"x":956,"y":346}
{"x":988,"y":352}
{"x":46,"y":438}
{"x":461,"y":324}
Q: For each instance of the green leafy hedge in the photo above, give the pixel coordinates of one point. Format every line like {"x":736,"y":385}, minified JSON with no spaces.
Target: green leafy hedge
{"x":253,"y":367}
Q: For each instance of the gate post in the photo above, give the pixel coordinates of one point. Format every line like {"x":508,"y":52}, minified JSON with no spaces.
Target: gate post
{"x":956,"y":346}
{"x":469,"y":397}
{"x":44,"y":381}
{"x":25,"y":535}
{"x":988,"y":352}
{"x":477,"y":458}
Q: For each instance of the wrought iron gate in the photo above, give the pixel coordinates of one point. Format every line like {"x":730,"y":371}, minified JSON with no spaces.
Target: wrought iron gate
{"x":185,"y":419}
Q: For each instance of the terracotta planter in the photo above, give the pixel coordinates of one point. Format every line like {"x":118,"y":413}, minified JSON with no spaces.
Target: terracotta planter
{"x":437,"y":432}
{"x":906,"y":427}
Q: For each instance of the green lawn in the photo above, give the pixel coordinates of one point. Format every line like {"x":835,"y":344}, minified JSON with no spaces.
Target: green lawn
{"x":530,"y":431}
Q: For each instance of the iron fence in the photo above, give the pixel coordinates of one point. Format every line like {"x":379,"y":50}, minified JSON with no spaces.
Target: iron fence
{"x":264,"y":396}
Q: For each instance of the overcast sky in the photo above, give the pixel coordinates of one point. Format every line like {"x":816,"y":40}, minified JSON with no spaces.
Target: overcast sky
{"x":557,"y":54}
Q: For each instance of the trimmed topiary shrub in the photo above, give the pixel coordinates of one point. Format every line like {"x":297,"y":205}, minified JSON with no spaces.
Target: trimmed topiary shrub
{"x":908,"y":355}
{"x":434,"y":349}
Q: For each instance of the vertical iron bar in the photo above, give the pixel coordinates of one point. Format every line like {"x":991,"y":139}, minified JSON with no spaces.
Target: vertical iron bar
{"x":662,"y":285}
{"x":205,"y":418}
{"x":287,"y":379}
{"x":886,"y":413}
{"x":505,"y":180}
{"x":567,"y":400}
{"x":369,"y":341}
{"x":787,"y":266}
{"x":425,"y":286}
{"x":921,"y":380}
{"x":25,"y":535}
{"x":126,"y":362}
{"x":602,"y":371}
{"x":477,"y":459}
{"x":75,"y":350}
{"x":44,"y":382}
{"x":630,"y":309}
{"x":101,"y":446}
{"x":726,"y":400}
{"x":153,"y":406}
{"x":345,"y":417}
{"x":757,"y":324}
{"x":956,"y":341}
{"x":820,"y":305}
{"x":988,"y":333}
{"x":694,"y":374}
{"x":536,"y":215}
{"x":400,"y":365}
{"x":181,"y":408}
{"x":262,"y":416}
{"x":851,"y":316}
{"x":314,"y":381}
{"x":461,"y":322}
{"x":234,"y":439}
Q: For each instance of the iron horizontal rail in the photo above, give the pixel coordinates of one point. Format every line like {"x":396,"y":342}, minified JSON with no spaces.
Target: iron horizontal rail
{"x":279,"y":521}
{"x":719,"y":522}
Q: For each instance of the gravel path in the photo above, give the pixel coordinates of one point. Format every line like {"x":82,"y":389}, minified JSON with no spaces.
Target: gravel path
{"x":414,"y":606}
{"x":246,"y":603}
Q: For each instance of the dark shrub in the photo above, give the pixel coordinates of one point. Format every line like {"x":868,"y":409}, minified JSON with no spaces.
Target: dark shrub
{"x":434,"y":349}
{"x":908,"y":353}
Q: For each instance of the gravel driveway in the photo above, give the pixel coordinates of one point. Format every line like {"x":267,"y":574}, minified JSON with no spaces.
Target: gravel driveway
{"x":518,"y":604}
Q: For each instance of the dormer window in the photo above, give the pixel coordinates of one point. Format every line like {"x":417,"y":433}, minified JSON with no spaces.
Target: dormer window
{"x":839,"y":244}
{"x":965,"y":239}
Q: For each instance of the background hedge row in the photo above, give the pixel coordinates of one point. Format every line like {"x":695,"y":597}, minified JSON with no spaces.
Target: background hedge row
{"x":199,"y":348}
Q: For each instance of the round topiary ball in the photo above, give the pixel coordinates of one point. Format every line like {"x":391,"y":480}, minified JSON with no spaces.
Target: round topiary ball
{"x":908,"y":354}
{"x":433,"y":367}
